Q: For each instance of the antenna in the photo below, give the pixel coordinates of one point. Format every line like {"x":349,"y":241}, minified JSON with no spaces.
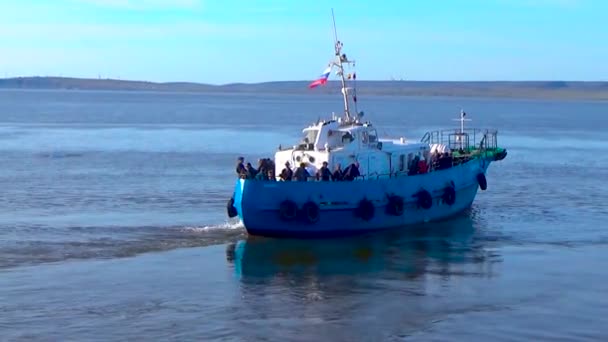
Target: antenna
{"x":333,"y":18}
{"x":338,"y":48}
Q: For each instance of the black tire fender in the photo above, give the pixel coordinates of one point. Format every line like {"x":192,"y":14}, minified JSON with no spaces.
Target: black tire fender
{"x":310,"y":212}
{"x":425,"y":200}
{"x":481,"y":180}
{"x":365,"y":210}
{"x":230,"y":209}
{"x":288,"y":210}
{"x":449,"y":195}
{"x":395,"y":205}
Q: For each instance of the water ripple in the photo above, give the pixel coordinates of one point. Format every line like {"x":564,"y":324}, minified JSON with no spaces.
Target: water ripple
{"x":119,"y":242}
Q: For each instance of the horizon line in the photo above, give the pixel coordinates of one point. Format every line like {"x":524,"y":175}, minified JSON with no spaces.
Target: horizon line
{"x":295,"y":80}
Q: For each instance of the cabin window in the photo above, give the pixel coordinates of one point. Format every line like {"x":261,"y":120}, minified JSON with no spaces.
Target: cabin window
{"x":334,"y":138}
{"x":373,"y":136}
{"x":410,"y":157}
{"x":310,"y":137}
{"x":402,"y":163}
{"x":364,"y":138}
{"x":347,"y":138}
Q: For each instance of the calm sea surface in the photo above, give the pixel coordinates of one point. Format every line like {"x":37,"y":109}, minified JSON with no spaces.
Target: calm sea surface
{"x":113,"y":226}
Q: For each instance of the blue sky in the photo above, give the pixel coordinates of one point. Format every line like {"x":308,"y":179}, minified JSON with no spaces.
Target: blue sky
{"x":223,"y":41}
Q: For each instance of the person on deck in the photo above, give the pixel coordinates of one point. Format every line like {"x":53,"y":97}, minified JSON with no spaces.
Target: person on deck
{"x":251,"y":172}
{"x":323,"y":173}
{"x":423,"y":167}
{"x":270,"y":165}
{"x":240,"y":168}
{"x":413,"y":167}
{"x":301,"y":174}
{"x":270,"y":175}
{"x":337,"y":175}
{"x":445,"y":162}
{"x":352,"y":172}
{"x":286,"y":173}
{"x":262,"y":172}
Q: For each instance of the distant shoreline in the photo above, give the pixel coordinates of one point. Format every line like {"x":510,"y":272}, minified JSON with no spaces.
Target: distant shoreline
{"x":566,"y":90}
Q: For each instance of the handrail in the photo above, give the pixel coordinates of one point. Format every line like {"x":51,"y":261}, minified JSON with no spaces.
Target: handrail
{"x":426,"y":138}
{"x":469,"y":150}
{"x":465,"y":139}
{"x":376,"y":175}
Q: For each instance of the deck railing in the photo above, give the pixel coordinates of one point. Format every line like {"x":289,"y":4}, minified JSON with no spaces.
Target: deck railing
{"x":432,"y":167}
{"x":465,"y":145}
{"x":465,"y":141}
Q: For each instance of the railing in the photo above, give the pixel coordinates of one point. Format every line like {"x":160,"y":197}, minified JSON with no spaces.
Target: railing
{"x":432,"y":167}
{"x":459,"y":142}
{"x":464,"y":141}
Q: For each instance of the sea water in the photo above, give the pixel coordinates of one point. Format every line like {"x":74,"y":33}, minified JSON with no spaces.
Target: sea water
{"x":113,"y":225}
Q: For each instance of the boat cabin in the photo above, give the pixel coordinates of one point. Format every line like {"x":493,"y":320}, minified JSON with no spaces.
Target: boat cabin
{"x":331,"y":135}
{"x":344,"y":143}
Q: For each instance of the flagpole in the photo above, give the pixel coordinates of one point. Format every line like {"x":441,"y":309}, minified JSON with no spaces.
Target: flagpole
{"x":338,"y":47}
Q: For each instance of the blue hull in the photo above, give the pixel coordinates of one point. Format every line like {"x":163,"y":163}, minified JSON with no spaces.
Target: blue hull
{"x":258,"y":202}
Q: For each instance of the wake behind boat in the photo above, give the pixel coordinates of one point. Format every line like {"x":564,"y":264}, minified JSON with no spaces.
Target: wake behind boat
{"x":386,"y":183}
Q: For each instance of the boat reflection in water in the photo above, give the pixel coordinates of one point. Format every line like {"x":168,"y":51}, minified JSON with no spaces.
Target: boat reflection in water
{"x":443,"y":248}
{"x":378,"y":287}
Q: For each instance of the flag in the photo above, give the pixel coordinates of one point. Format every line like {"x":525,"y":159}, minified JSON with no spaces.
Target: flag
{"x":322,"y":79}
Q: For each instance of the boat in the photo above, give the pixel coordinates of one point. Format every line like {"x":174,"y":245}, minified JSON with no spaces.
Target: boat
{"x":400,"y":182}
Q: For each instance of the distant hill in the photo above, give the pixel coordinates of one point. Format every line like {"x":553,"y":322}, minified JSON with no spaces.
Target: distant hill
{"x":516,"y":89}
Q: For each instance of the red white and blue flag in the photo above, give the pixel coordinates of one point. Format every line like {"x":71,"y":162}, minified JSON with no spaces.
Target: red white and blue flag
{"x":322,"y":79}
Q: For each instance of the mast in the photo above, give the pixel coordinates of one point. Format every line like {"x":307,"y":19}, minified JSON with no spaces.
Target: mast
{"x":338,"y":49}
{"x":460,"y":136}
{"x":462,"y":120}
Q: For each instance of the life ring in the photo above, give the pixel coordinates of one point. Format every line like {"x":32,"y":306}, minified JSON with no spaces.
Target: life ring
{"x":288,"y":210}
{"x":395,"y":205}
{"x":425,"y":200}
{"x":231,"y":209}
{"x":449,"y":195}
{"x":365,"y":210}
{"x":310,"y":212}
{"x":481,"y":180}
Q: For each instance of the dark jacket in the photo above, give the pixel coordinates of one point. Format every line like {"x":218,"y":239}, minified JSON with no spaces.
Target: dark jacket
{"x":324,"y":174}
{"x":337,"y":175}
{"x":262,"y":173}
{"x":301,"y":174}
{"x":251,"y":172}
{"x":286,"y":174}
{"x":351,"y":172}
{"x":240,"y":169}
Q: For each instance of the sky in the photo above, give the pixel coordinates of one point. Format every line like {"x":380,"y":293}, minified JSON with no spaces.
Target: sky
{"x":227,"y":41}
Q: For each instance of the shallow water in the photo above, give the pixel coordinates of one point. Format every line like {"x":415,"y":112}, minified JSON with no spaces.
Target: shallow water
{"x":113,"y":226}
